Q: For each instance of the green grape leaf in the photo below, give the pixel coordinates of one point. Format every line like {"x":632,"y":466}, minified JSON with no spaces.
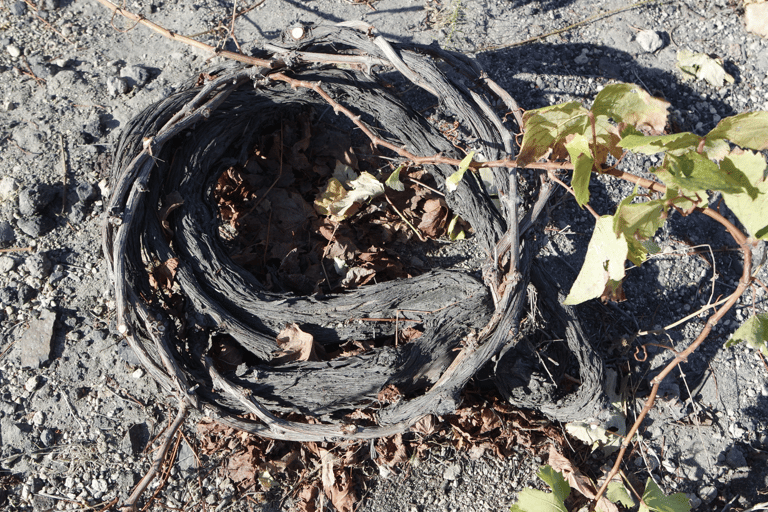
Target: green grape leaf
{"x":716,"y":149}
{"x":532,"y":500}
{"x":603,"y":267}
{"x":631,"y":104}
{"x":754,"y":332}
{"x":748,"y":130}
{"x":581,"y":157}
{"x":750,"y":208}
{"x":697,"y":173}
{"x":555,"y":479}
{"x":453,"y":180}
{"x":617,"y":493}
{"x":660,"y":143}
{"x":639,"y":220}
{"x":752,"y":164}
{"x":394,"y":182}
{"x":703,"y":67}
{"x":546,"y":129}
{"x":655,"y":501}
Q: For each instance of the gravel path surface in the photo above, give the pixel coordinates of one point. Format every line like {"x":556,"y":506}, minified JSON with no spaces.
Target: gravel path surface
{"x":77,"y":411}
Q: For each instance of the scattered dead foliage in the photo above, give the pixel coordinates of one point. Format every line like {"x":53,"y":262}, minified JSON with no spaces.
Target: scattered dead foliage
{"x":273,"y":208}
{"x":315,"y":474}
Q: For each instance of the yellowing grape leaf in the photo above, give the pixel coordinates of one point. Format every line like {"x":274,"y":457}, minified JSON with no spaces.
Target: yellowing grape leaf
{"x":754,"y":332}
{"x":603,"y":267}
{"x":631,"y":104}
{"x":703,"y":67}
{"x":660,"y":143}
{"x":546,"y":129}
{"x":751,"y":209}
{"x":748,"y":130}
{"x":393,"y":181}
{"x":581,"y":157}
{"x":453,"y":180}
{"x":654,"y":500}
{"x":340,"y":203}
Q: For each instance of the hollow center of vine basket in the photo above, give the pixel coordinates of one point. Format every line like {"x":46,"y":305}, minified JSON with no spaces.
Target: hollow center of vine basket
{"x":314,"y":211}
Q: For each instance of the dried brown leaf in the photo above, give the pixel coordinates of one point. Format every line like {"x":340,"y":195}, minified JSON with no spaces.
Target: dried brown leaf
{"x":389,"y":394}
{"x":342,"y":494}
{"x":433,"y":220}
{"x":172,"y":201}
{"x":296,"y":345}
{"x":577,"y":480}
{"x":425,"y":425}
{"x":162,"y":275}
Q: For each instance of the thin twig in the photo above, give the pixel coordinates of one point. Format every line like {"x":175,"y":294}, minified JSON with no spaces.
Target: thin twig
{"x":415,"y":230}
{"x":17,"y":249}
{"x":592,"y":18}
{"x":170,"y":433}
{"x":64,"y":172}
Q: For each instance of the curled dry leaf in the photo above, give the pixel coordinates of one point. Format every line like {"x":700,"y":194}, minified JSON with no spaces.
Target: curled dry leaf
{"x":577,"y":480}
{"x":296,"y":345}
{"x":172,"y":201}
{"x":162,"y":276}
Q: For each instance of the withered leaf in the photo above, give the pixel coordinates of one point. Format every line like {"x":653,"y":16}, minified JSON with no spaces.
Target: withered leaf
{"x":433,"y":221}
{"x":425,"y":425}
{"x":162,"y":275}
{"x":172,"y":201}
{"x":296,"y":345}
{"x":577,"y":480}
{"x":389,"y":394}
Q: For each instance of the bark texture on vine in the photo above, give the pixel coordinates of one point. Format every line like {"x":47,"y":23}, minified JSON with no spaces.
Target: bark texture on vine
{"x":178,"y":147}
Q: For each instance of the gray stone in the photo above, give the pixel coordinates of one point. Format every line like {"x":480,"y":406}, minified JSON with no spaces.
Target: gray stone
{"x":39,"y":66}
{"x":735,"y":458}
{"x":38,"y":265}
{"x":47,"y":437}
{"x":35,"y":226}
{"x":38,"y":418}
{"x":707,"y":493}
{"x":32,"y":383}
{"x":136,"y":438}
{"x":18,"y":8}
{"x":35,"y":344}
{"x":77,"y":213}
{"x":7,"y":235}
{"x":32,"y":200}
{"x":583,"y":58}
{"x":30,"y":138}
{"x":187,"y":462}
{"x":8,"y":188}
{"x":650,"y":41}
{"x":6,"y":264}
{"x":135,"y":75}
{"x":26,"y":293}
{"x":116,"y":86}
{"x":452,"y":472}
{"x":85,"y":192}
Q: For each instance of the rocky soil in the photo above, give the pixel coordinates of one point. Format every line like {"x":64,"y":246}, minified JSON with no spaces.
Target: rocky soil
{"x":77,"y":411}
